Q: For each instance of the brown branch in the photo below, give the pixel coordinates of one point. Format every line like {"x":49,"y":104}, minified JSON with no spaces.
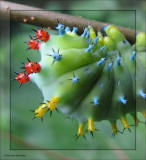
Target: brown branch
{"x":30,"y":15}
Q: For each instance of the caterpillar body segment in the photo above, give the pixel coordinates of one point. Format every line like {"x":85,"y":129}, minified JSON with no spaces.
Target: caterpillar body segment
{"x":67,"y":89}
{"x":140,"y":42}
{"x":94,"y":102}
{"x":90,"y":77}
{"x":114,"y":33}
{"x":107,"y":41}
{"x":79,"y":59}
{"x":140,"y":81}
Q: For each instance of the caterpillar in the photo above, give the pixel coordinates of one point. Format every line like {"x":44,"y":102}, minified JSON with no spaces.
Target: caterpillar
{"x":90,"y":77}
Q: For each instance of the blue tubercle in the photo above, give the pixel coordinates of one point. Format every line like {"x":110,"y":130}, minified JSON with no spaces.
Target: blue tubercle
{"x":133,"y":55}
{"x":56,"y":56}
{"x":118,"y":61}
{"x":67,"y":29}
{"x":61,"y":29}
{"x":123,"y":100}
{"x":107,"y":54}
{"x":95,"y":101}
{"x":96,"y":39}
{"x":90,"y":47}
{"x":89,"y":40}
{"x":74,"y":30}
{"x":85,"y":32}
{"x":109,"y":66}
{"x":87,"y":35}
{"x":101,"y":61}
{"x":102,"y":48}
{"x":105,"y":27}
{"x":142,"y":94}
{"x":75,"y":79}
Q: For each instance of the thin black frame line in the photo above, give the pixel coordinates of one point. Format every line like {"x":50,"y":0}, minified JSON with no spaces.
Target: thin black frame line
{"x":74,"y":10}
{"x":10,"y":84}
{"x":85,"y":0}
{"x":10,"y":79}
{"x":145,"y":77}
{"x":78,"y":149}
{"x":135,"y":80}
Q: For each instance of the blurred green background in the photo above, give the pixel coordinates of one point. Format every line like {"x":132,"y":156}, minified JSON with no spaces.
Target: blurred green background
{"x":57,"y":132}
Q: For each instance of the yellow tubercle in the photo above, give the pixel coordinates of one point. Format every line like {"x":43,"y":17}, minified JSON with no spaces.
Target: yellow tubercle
{"x":91,"y":32}
{"x":125,"y":123}
{"x":114,"y":127}
{"x":144,"y":113}
{"x":69,"y":33}
{"x":41,"y":110}
{"x":90,"y":125}
{"x":100,"y":40}
{"x":81,"y":129}
{"x":52,"y":104}
{"x":73,"y":34}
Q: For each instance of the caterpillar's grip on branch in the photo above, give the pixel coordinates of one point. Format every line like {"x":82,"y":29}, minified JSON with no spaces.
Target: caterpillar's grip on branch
{"x":90,"y":77}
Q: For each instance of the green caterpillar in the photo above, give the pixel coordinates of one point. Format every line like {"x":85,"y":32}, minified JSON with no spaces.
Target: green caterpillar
{"x":90,"y":77}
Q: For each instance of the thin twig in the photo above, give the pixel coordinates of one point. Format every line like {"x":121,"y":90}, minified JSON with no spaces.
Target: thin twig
{"x":37,"y":16}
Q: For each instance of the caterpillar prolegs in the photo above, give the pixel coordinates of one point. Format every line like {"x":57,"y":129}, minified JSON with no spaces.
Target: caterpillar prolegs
{"x":89,"y":77}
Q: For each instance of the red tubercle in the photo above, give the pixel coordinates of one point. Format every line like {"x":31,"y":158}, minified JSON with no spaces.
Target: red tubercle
{"x":34,"y":44}
{"x":42,"y":35}
{"x":32,"y":67}
{"x":22,"y":77}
